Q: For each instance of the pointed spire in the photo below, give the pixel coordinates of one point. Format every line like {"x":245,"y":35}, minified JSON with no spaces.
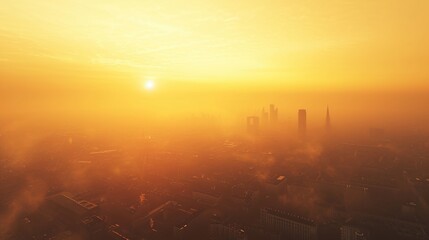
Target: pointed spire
{"x":328,"y":119}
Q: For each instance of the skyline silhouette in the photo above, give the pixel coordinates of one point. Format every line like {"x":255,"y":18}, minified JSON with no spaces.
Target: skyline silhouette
{"x":217,"y":120}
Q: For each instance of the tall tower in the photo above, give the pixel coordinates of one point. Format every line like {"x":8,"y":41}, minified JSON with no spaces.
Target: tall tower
{"x":274,"y":113}
{"x":302,"y":121}
{"x":328,"y":120}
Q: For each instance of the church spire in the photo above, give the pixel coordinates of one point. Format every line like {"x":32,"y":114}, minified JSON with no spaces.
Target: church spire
{"x":328,"y":119}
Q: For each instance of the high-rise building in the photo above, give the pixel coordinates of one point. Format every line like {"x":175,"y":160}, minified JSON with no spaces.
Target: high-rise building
{"x":274,"y":113}
{"x":328,"y":120}
{"x":265,"y":116}
{"x":302,"y":121}
{"x":253,"y":124}
{"x":291,"y":226}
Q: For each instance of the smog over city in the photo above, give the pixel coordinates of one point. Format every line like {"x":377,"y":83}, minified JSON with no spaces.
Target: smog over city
{"x":217,"y":120}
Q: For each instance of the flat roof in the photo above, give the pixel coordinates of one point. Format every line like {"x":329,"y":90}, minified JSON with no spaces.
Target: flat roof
{"x":77,"y":207}
{"x":290,"y":216}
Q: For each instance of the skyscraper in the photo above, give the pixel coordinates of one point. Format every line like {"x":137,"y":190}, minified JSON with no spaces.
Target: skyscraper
{"x":302,"y":121}
{"x":328,"y":120}
{"x":274,"y":113}
{"x":265,"y":116}
{"x":253,"y":125}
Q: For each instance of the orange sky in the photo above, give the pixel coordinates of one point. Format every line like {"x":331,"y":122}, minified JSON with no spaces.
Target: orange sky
{"x":89,"y":59}
{"x":306,"y":45}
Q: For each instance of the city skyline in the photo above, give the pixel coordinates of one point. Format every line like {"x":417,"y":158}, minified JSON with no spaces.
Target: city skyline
{"x":214,"y":120}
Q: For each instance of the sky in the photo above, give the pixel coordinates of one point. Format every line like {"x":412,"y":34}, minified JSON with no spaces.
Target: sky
{"x":53,"y":51}
{"x":297,"y":44}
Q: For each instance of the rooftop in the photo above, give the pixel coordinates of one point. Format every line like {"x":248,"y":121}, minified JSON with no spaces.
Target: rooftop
{"x":77,"y":207}
{"x":290,"y":216}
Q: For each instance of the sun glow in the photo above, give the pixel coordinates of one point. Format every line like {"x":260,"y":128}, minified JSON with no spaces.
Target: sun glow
{"x":149,"y":85}
{"x":246,"y":44}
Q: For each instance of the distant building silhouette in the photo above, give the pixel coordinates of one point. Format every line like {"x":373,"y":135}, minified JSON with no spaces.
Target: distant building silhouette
{"x":253,"y":124}
{"x":302,"y":121}
{"x":274,"y":113}
{"x":265,"y":116}
{"x":328,"y":120}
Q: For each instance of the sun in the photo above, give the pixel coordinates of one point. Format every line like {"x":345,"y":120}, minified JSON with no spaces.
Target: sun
{"x":149,"y":85}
